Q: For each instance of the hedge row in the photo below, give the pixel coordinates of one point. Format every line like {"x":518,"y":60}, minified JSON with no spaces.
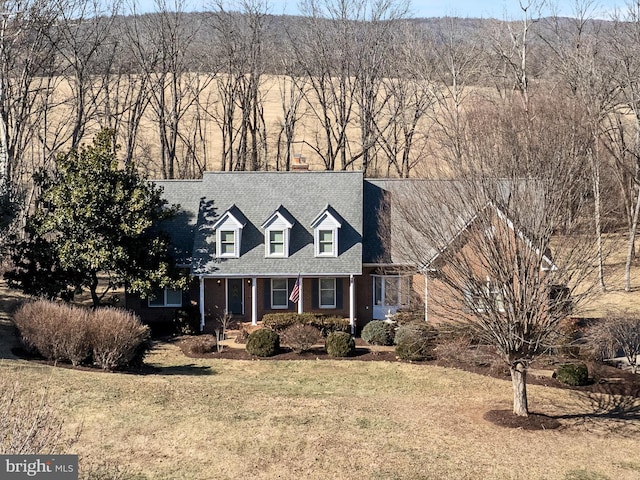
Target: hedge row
{"x":108,"y":338}
{"x":325,"y":323}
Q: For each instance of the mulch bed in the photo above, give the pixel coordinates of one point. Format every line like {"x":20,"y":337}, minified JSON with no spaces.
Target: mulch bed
{"x":535,"y":421}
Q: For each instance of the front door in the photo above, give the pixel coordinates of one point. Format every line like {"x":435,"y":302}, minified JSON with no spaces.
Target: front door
{"x":235,"y":296}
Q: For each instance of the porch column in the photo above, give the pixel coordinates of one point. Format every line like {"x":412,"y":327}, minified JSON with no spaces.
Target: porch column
{"x":300,"y":296}
{"x":254,"y":301}
{"x":352,"y":305}
{"x":426,"y":296}
{"x":201,"y":303}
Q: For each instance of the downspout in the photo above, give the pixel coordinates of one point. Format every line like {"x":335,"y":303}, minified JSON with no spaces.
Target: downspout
{"x":201,"y":303}
{"x":254,"y":301}
{"x":426,"y":296}
{"x":352,"y":305}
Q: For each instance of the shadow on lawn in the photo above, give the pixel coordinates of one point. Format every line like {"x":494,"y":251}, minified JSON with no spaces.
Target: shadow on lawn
{"x":611,"y":408}
{"x":187,"y":369}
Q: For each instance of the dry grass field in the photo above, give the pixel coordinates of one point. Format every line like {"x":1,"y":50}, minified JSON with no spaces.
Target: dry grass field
{"x":198,"y":419}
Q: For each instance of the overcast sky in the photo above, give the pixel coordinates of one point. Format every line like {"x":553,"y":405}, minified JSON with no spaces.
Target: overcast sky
{"x":501,"y":9}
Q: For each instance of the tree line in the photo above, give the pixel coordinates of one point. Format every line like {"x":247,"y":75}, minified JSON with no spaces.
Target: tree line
{"x":349,"y":84}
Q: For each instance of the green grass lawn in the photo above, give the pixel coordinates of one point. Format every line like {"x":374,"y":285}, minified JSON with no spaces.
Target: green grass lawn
{"x":204,"y":419}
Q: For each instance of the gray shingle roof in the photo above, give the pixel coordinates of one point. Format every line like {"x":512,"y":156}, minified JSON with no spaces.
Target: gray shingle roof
{"x":258,"y":195}
{"x":448,"y":206}
{"x":186,"y":194}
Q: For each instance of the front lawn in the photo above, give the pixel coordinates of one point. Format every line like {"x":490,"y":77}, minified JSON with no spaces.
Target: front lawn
{"x":213,"y":418}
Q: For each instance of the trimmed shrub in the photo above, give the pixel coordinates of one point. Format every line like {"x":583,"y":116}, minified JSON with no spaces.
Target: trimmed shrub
{"x":113,"y":338}
{"x":118,"y":339}
{"x":326,"y":324}
{"x":263,"y":343}
{"x":415,"y":341}
{"x":76,"y":344}
{"x":301,"y":337}
{"x":575,"y":374}
{"x":187,"y":321}
{"x":378,"y":332}
{"x":56,"y":331}
{"x":332,"y":324}
{"x":201,"y":345}
{"x":340,"y":344}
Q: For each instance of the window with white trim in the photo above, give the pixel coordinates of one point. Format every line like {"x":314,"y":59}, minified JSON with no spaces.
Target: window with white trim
{"x":165,"y":297}
{"x":277,"y":230}
{"x":229,"y":233}
{"x":279,"y":293}
{"x":392,"y":290}
{"x":227,"y":243}
{"x":326,"y":243}
{"x":325,"y":233}
{"x":276,"y":243}
{"x":327,"y":292}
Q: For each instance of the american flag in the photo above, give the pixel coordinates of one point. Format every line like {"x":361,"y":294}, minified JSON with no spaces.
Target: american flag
{"x":295,"y":292}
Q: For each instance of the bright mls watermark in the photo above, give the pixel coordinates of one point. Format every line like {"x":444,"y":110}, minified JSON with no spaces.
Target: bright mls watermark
{"x":49,"y":467}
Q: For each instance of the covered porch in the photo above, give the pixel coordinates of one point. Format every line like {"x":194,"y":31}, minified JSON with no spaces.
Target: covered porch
{"x":248,"y":298}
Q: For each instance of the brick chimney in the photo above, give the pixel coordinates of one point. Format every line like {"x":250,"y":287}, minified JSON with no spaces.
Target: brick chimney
{"x":299,"y":163}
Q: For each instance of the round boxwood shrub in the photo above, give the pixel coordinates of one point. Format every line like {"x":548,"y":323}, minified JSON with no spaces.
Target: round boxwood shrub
{"x":378,"y":332}
{"x":340,"y":344}
{"x":575,"y":374}
{"x":415,"y":341}
{"x":263,"y":343}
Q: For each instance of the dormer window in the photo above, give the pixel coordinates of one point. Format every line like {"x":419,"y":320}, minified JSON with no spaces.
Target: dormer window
{"x":277,"y":229}
{"x":229,"y":233}
{"x":326,"y":243}
{"x":227,"y":243}
{"x":325,"y":233}
{"x":276,"y":243}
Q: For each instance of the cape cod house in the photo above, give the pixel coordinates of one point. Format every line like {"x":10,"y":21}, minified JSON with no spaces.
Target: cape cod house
{"x":250,"y":238}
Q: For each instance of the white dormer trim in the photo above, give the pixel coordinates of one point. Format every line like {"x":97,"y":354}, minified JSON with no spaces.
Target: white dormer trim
{"x":325,"y":234}
{"x":229,"y":233}
{"x":277,"y":231}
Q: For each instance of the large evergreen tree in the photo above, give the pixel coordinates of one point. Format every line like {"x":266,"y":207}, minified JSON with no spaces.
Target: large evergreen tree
{"x":93,"y":221}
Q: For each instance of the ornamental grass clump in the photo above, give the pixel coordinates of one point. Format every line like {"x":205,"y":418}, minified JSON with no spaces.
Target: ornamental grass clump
{"x":263,"y":343}
{"x":378,"y":332}
{"x":340,"y":344}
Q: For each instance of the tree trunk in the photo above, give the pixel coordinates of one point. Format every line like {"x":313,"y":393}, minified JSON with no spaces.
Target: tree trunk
{"x":519,"y":382}
{"x":632,"y":242}
{"x":595,"y":184}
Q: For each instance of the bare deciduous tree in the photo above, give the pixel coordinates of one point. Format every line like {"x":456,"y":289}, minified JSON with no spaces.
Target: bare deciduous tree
{"x":613,"y":336}
{"x":241,"y":35}
{"x":25,"y":59}
{"x":489,"y":242}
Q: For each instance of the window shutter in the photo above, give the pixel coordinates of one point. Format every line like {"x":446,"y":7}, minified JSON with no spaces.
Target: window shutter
{"x":267,"y":293}
{"x":315,"y":289}
{"x":339,"y":293}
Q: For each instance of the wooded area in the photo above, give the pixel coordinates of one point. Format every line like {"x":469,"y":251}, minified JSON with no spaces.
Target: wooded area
{"x":348,"y":84}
